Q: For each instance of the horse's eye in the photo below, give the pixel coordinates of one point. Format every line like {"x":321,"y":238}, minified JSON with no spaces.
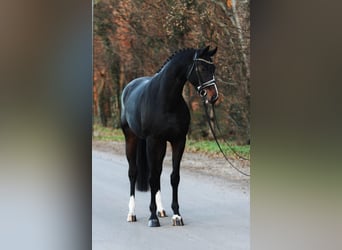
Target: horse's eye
{"x":201,"y":68}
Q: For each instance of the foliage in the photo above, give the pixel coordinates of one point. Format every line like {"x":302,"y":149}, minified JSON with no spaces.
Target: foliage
{"x":133,"y":38}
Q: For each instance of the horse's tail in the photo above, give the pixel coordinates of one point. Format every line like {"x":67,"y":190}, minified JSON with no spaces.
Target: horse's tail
{"x":142,"y":166}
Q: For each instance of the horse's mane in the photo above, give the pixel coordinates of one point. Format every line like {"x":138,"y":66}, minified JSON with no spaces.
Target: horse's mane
{"x":172,"y":56}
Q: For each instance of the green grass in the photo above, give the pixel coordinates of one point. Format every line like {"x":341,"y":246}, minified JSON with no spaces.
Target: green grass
{"x":107,"y":134}
{"x":211,"y":148}
{"x":203,"y":146}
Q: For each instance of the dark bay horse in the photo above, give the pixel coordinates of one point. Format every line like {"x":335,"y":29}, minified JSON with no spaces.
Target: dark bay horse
{"x":154,"y":112}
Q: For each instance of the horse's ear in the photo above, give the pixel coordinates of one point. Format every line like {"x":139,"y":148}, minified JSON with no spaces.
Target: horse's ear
{"x":206,"y":49}
{"x":212,"y":52}
{"x":203,"y":51}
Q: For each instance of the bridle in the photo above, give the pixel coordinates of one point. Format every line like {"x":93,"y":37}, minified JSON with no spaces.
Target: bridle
{"x":201,"y":88}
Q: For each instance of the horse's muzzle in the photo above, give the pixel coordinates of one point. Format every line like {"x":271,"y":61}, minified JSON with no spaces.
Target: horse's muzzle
{"x":208,"y":90}
{"x":211,"y":94}
{"x":214,"y":98}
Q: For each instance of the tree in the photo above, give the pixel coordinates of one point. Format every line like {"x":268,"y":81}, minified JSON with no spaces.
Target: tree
{"x":133,"y":38}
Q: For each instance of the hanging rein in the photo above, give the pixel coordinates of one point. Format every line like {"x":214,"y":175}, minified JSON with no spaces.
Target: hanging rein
{"x":216,"y":140}
{"x":201,"y":89}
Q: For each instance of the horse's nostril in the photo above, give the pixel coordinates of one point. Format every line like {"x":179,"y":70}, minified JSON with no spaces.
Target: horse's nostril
{"x":214,"y":98}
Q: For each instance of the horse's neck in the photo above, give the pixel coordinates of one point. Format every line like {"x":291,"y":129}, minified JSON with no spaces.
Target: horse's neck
{"x":173,"y":80}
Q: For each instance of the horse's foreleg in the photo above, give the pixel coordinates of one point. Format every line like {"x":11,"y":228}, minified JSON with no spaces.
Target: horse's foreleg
{"x":155,"y":154}
{"x":153,"y":220}
{"x":177,"y":153}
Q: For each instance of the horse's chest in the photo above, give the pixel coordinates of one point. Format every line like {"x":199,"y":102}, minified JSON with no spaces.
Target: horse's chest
{"x":173,"y":124}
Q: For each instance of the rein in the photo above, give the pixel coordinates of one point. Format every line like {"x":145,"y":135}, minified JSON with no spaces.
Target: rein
{"x":227,"y":143}
{"x":215,"y":137}
{"x":201,"y":89}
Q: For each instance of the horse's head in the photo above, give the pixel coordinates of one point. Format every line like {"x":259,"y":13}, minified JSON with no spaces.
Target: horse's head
{"x":201,"y":74}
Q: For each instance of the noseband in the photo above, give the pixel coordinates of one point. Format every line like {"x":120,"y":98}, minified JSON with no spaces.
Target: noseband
{"x":201,"y":86}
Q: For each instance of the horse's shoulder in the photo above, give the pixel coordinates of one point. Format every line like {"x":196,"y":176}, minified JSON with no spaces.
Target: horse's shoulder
{"x":140,"y":80}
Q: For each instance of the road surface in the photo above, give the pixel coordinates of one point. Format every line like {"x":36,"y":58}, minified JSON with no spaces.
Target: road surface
{"x":215,"y":211}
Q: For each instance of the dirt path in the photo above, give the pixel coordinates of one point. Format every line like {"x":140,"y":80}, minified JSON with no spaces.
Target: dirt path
{"x":197,"y":162}
{"x":216,"y":212}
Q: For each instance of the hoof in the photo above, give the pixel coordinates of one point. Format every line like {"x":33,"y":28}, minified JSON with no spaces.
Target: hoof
{"x":153,"y":223}
{"x":177,"y":221}
{"x":162,"y":214}
{"x":131,"y":218}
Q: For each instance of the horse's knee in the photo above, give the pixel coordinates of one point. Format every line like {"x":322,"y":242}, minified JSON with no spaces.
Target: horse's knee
{"x":174,"y":179}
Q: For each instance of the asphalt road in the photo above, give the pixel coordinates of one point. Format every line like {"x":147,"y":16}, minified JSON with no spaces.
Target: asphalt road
{"x":215,"y":211}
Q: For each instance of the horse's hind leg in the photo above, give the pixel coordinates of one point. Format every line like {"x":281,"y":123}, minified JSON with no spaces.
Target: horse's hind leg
{"x":160,"y":207}
{"x":177,"y":153}
{"x":131,"y":149}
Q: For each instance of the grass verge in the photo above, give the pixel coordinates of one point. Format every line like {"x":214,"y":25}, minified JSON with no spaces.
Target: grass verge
{"x":210,"y":147}
{"x":107,"y":134}
{"x":204,"y":146}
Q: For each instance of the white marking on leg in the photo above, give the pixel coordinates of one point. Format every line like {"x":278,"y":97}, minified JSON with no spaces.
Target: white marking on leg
{"x":160,"y":207}
{"x":176,"y":217}
{"x":131,"y":205}
{"x":177,"y":220}
{"x":131,"y":208}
